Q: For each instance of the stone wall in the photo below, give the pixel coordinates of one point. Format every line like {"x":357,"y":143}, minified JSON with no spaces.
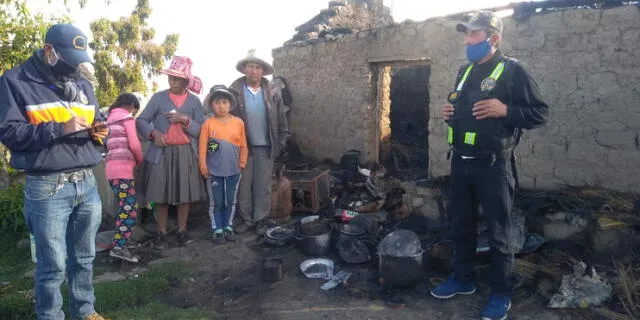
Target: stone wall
{"x":587,"y":63}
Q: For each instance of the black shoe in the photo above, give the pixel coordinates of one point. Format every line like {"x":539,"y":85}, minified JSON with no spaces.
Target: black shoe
{"x":218,"y":238}
{"x":160,"y":242}
{"x":228,"y":234}
{"x":184,"y":239}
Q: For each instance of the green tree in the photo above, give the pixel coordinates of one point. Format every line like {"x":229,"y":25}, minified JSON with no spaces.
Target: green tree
{"x":125,"y":55}
{"x":21,"y":33}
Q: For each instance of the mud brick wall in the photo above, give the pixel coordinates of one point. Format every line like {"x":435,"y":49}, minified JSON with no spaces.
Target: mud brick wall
{"x":586,"y":62}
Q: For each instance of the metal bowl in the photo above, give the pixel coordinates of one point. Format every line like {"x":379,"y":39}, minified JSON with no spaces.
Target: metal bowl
{"x":317,"y":268}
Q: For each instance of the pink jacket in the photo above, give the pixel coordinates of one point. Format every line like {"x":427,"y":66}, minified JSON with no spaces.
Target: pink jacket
{"x":124,"y":149}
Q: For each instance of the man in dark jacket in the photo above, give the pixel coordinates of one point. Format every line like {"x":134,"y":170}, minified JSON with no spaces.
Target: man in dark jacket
{"x":50,"y":121}
{"x":260,"y":107}
{"x":493,"y":101}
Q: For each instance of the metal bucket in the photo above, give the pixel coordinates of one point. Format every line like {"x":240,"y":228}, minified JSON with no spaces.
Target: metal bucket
{"x":314,"y":238}
{"x":272,"y":269}
{"x":400,"y":271}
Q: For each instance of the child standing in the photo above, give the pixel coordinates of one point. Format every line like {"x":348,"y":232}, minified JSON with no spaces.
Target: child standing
{"x":124,"y":154}
{"x":222,"y":154}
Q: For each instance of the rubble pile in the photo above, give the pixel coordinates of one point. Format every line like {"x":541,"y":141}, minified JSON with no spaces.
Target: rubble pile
{"x":567,"y":235}
{"x":340,"y":18}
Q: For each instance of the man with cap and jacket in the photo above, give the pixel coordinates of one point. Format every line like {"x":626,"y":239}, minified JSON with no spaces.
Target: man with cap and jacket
{"x":50,"y":121}
{"x":494,"y":99}
{"x":260,"y":107}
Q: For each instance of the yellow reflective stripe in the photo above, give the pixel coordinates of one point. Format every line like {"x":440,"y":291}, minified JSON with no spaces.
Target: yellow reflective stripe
{"x":450,"y":135}
{"x":57,"y":112}
{"x":497,"y":72}
{"x":464,"y":77}
{"x":470,"y":138}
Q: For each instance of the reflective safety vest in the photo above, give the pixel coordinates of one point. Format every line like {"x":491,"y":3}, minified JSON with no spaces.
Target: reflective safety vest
{"x":468,"y":135}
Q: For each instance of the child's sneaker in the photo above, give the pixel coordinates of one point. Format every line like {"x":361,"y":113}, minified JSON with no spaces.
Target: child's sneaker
{"x":228,"y":234}
{"x":218,"y":237}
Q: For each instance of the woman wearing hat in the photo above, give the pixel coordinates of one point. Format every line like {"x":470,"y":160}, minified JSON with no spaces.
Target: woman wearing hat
{"x":170,"y":176}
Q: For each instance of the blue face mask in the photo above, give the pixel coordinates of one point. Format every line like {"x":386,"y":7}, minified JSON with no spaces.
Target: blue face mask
{"x":475,"y":52}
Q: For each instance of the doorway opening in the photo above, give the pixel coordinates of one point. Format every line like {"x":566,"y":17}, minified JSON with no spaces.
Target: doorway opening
{"x":403,"y":101}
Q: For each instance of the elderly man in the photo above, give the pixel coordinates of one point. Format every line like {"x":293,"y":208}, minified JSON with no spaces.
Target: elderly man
{"x":494,"y":99}
{"x":260,"y":107}
{"x":49,"y":120}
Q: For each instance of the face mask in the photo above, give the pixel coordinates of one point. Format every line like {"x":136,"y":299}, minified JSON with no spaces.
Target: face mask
{"x":61,"y":68}
{"x":475,"y":52}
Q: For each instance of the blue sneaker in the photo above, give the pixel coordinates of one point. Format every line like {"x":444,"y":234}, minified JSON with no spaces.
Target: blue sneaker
{"x":452,"y":287}
{"x":497,"y":308}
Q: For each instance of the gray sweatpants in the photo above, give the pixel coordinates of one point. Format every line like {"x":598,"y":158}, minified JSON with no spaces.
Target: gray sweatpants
{"x":254,"y":193}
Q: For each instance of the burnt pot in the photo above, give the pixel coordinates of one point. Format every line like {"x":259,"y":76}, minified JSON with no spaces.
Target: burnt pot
{"x":314,"y":238}
{"x":272,"y":269}
{"x":400,"y":271}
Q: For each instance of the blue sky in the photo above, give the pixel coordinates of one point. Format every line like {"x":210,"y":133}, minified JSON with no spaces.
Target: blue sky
{"x":216,"y":34}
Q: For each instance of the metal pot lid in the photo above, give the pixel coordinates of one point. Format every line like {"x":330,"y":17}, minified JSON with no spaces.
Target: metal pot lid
{"x":400,"y":243}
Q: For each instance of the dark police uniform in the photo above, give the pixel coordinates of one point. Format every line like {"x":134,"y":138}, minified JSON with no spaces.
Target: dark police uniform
{"x":483,"y":166}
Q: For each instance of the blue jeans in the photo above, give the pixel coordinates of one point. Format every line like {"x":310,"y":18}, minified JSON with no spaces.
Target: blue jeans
{"x":223,"y":191}
{"x":63,"y":212}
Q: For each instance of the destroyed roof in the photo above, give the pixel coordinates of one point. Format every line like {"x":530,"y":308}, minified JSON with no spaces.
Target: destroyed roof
{"x":345,"y":17}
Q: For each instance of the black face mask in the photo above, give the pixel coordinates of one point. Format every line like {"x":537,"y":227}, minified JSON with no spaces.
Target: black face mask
{"x":63,"y":69}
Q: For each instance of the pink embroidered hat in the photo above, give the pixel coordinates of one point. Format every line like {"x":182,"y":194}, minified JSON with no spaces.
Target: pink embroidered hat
{"x":181,"y":67}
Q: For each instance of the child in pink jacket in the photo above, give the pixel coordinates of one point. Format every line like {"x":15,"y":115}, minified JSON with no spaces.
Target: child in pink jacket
{"x":124,"y":154}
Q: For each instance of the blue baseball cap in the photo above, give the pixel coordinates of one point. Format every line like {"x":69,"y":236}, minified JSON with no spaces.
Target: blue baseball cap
{"x":69,"y":42}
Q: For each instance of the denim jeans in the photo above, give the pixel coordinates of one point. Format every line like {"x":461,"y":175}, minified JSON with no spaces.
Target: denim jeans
{"x":63,"y":212}
{"x":488,"y":182}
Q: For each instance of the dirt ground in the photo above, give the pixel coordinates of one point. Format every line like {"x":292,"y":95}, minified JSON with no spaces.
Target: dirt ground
{"x":226,"y":280}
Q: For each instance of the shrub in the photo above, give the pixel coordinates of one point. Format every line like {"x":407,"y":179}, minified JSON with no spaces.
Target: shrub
{"x":11,"y":209}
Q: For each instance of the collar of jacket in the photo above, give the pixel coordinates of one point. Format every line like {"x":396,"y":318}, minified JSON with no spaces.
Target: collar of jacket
{"x":31,"y":72}
{"x":266,"y":89}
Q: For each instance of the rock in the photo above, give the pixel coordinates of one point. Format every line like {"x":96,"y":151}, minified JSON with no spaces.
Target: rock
{"x":611,"y":243}
{"x":343,"y":17}
{"x":23,"y":244}
{"x":428,"y":192}
{"x":430,"y":210}
{"x":30,"y":273}
{"x":556,"y":216}
{"x":417,"y":202}
{"x":560,"y":230}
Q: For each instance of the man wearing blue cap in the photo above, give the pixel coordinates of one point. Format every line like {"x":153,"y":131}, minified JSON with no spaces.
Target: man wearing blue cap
{"x":50,"y":121}
{"x":494,"y":99}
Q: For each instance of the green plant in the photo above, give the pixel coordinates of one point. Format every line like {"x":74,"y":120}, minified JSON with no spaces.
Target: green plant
{"x":11,"y":210}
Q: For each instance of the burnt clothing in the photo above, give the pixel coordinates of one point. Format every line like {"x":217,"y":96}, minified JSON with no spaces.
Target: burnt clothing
{"x":515,"y":88}
{"x":483,"y":166}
